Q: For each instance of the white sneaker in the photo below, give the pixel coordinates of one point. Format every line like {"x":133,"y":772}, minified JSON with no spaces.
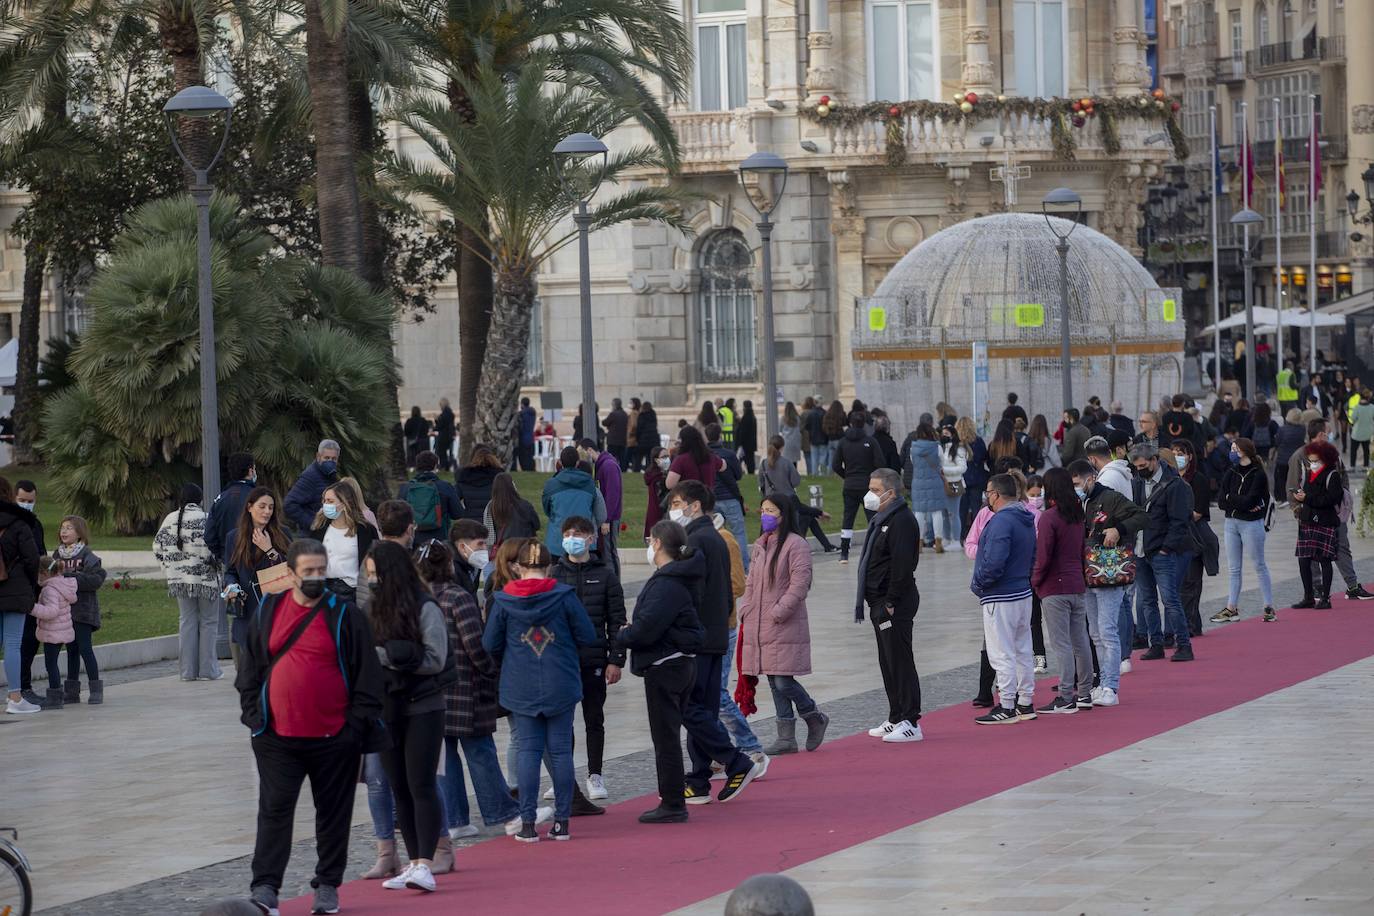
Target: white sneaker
{"x":596,"y":787}
{"x":548,"y":796}
{"x":398,"y":883}
{"x":1125,"y":666}
{"x":881,"y":731}
{"x":420,"y":878}
{"x":1105,"y":696}
{"x":903,"y":732}
{"x":541,"y":816}
{"x":762,"y":760}
{"x":462,"y":833}
{"x":21,"y":707}
{"x":1041,"y":664}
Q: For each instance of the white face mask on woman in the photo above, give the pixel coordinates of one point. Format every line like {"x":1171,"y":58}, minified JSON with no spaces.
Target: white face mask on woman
{"x":651,"y":554}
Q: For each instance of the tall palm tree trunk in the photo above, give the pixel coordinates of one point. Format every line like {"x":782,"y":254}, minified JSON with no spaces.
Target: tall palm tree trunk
{"x":26,"y":408}
{"x":181,"y":43}
{"x":336,"y":176}
{"x":503,"y":370}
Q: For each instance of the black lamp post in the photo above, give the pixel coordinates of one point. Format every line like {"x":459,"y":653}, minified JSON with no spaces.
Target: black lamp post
{"x":1063,"y":197}
{"x":1248,"y":219}
{"x":770,"y":165}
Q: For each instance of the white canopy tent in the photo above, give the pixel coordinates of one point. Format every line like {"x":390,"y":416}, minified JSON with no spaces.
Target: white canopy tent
{"x":1267,"y":320}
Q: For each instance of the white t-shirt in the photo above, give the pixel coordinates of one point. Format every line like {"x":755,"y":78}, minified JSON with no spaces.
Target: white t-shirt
{"x":343,"y":555}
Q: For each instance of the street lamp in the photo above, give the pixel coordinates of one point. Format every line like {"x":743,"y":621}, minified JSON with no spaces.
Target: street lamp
{"x":767,"y":165}
{"x":1247,"y":219}
{"x":198,"y":103}
{"x":580,"y":151}
{"x":1063,"y":197}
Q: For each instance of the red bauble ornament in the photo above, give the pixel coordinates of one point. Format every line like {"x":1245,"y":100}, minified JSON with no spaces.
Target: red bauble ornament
{"x":1077,"y":107}
{"x":1175,"y":106}
{"x":971,"y":98}
{"x":894,"y":112}
{"x":825,"y":100}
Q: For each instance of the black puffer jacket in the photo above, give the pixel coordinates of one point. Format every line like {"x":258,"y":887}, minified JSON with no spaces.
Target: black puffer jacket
{"x":858,"y":456}
{"x":1170,"y":508}
{"x":20,"y":551}
{"x":711,"y":592}
{"x":665,"y":620}
{"x":474,"y":489}
{"x":599,"y":590}
{"x":1244,"y":493}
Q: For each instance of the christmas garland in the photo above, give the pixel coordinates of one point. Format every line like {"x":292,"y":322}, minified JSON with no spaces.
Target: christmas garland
{"x":1064,"y":116}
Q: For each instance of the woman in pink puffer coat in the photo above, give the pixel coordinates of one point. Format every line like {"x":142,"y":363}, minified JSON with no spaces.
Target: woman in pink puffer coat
{"x":775,"y":637}
{"x":53,"y":610}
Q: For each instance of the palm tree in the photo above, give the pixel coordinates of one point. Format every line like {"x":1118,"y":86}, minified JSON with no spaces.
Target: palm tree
{"x":497,"y":177}
{"x":607,"y":46}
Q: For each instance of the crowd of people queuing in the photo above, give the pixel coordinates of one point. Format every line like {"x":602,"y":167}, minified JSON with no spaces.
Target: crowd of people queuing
{"x":382,"y":641}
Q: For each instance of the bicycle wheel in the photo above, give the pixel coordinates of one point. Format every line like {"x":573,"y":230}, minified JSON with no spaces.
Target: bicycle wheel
{"x":16,"y":893}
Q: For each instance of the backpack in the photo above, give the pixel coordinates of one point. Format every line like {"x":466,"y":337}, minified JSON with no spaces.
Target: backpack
{"x":1264,"y":437}
{"x":423,"y":499}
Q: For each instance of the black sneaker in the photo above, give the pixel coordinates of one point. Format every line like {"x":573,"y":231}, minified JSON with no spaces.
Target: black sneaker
{"x":1322,"y":604}
{"x":265,"y":899}
{"x":1138,"y":642}
{"x":1153,"y":653}
{"x":560,"y":831}
{"x":694,"y":796}
{"x":982,"y":702}
{"x":1182,"y":654}
{"x":1168,"y":642}
{"x":662,"y":815}
{"x":582,"y":806}
{"x":1060,"y":706}
{"x":999,"y":716}
{"x":1306,"y":602}
{"x":1026,"y":712}
{"x":1085,"y":703}
{"x":1358,"y":593}
{"x":1270,"y":615}
{"x":527,"y":833}
{"x":1225,"y":615}
{"x":735,"y":783}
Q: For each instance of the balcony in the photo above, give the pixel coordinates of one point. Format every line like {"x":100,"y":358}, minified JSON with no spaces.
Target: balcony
{"x":714,"y":139}
{"x":1333,"y":149}
{"x":1230,"y":69}
{"x":1284,"y":52}
{"x":1170,"y":61}
{"x":1333,"y":48}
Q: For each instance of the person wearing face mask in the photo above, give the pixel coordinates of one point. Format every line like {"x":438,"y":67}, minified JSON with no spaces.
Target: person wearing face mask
{"x":690,"y":504}
{"x":1205,"y":561}
{"x":26,"y":498}
{"x":395,"y":523}
{"x":571,"y":491}
{"x":1318,"y":500}
{"x":347,"y":536}
{"x":257,"y":543}
{"x":470,"y":553}
{"x":856,"y":458}
{"x":655,"y":481}
{"x":1112,"y":521}
{"x":1298,"y":469}
{"x":1001,"y":581}
{"x":314,"y":717}
{"x":1244,"y":497}
{"x":598,"y":588}
{"x":887,"y":589}
{"x":1167,"y":550}
{"x":305,"y":496}
{"x":663,"y":639}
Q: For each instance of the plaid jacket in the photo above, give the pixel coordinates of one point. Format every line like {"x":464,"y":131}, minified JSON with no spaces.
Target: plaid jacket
{"x":471,"y":710}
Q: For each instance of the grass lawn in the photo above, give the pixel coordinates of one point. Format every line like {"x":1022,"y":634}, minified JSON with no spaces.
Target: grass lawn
{"x":531,"y":485}
{"x":50,"y":513}
{"x":135,"y":613}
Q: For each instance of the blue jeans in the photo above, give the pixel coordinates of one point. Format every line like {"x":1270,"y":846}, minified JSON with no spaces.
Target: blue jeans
{"x":488,"y":782}
{"x":1125,"y":623}
{"x":734,"y":520}
{"x":929,"y":523}
{"x":1163,"y":572}
{"x":1242,"y":538}
{"x":819,"y":461}
{"x":787,"y":693}
{"x":953,"y":523}
{"x":1104,"y":619}
{"x":382,"y":806}
{"x":535,"y":733}
{"x":12,"y":629}
{"x":741,"y":735}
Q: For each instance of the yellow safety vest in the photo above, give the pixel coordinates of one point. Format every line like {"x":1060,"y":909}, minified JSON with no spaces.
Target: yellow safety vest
{"x":727,"y":424}
{"x":1350,"y":407}
{"x":1285,"y":385}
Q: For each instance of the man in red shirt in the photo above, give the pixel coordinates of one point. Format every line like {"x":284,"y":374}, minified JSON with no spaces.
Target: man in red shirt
{"x":310,"y":687}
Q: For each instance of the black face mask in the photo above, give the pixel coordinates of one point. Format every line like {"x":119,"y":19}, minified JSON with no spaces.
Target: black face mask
{"x":1143,"y":473}
{"x":312,"y":587}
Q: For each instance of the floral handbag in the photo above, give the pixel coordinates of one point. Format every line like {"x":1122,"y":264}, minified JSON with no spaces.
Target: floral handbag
{"x":1103,"y":566}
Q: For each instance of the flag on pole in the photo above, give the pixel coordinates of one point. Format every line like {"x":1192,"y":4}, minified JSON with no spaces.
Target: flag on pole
{"x":1314,"y":152}
{"x":1279,"y":176}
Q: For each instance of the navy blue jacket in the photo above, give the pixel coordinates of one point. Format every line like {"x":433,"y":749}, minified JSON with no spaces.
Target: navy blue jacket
{"x":304,"y":499}
{"x":665,"y":620}
{"x":727,"y":481}
{"x":448,"y":498}
{"x":1006,"y":555}
{"x":535,"y":639}
{"x":224,"y":515}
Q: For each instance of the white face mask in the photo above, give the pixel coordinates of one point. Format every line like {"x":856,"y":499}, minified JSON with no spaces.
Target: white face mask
{"x":651,"y":555}
{"x":478,"y":559}
{"x":28,"y":506}
{"x":872,"y":501}
{"x":665,"y":463}
{"x":679,"y":516}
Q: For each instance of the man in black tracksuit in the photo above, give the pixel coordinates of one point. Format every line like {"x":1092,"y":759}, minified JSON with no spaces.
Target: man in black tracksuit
{"x":1167,"y":549}
{"x":887,"y":585}
{"x":599,"y":590}
{"x":707,"y":738}
{"x":858,"y":456}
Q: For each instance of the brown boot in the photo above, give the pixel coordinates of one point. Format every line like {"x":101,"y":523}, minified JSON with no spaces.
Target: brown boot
{"x":387,"y":864}
{"x":939,"y":545}
{"x":443,"y":857}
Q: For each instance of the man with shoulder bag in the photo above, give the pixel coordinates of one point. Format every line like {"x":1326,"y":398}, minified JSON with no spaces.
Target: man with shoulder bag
{"x":1113,"y":522}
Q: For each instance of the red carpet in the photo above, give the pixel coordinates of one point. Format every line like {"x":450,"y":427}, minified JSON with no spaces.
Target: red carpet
{"x":857,"y":788}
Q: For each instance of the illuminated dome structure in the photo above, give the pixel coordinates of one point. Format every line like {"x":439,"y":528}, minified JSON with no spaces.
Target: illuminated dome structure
{"x":991,"y":285}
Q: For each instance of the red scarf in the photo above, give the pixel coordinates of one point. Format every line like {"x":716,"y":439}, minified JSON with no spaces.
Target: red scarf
{"x":745,"y":684}
{"x":524,"y":588}
{"x":1313,"y":475}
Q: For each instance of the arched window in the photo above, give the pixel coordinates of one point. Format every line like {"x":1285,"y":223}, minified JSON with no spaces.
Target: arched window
{"x":725,"y":312}
{"x":1261,"y":25}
